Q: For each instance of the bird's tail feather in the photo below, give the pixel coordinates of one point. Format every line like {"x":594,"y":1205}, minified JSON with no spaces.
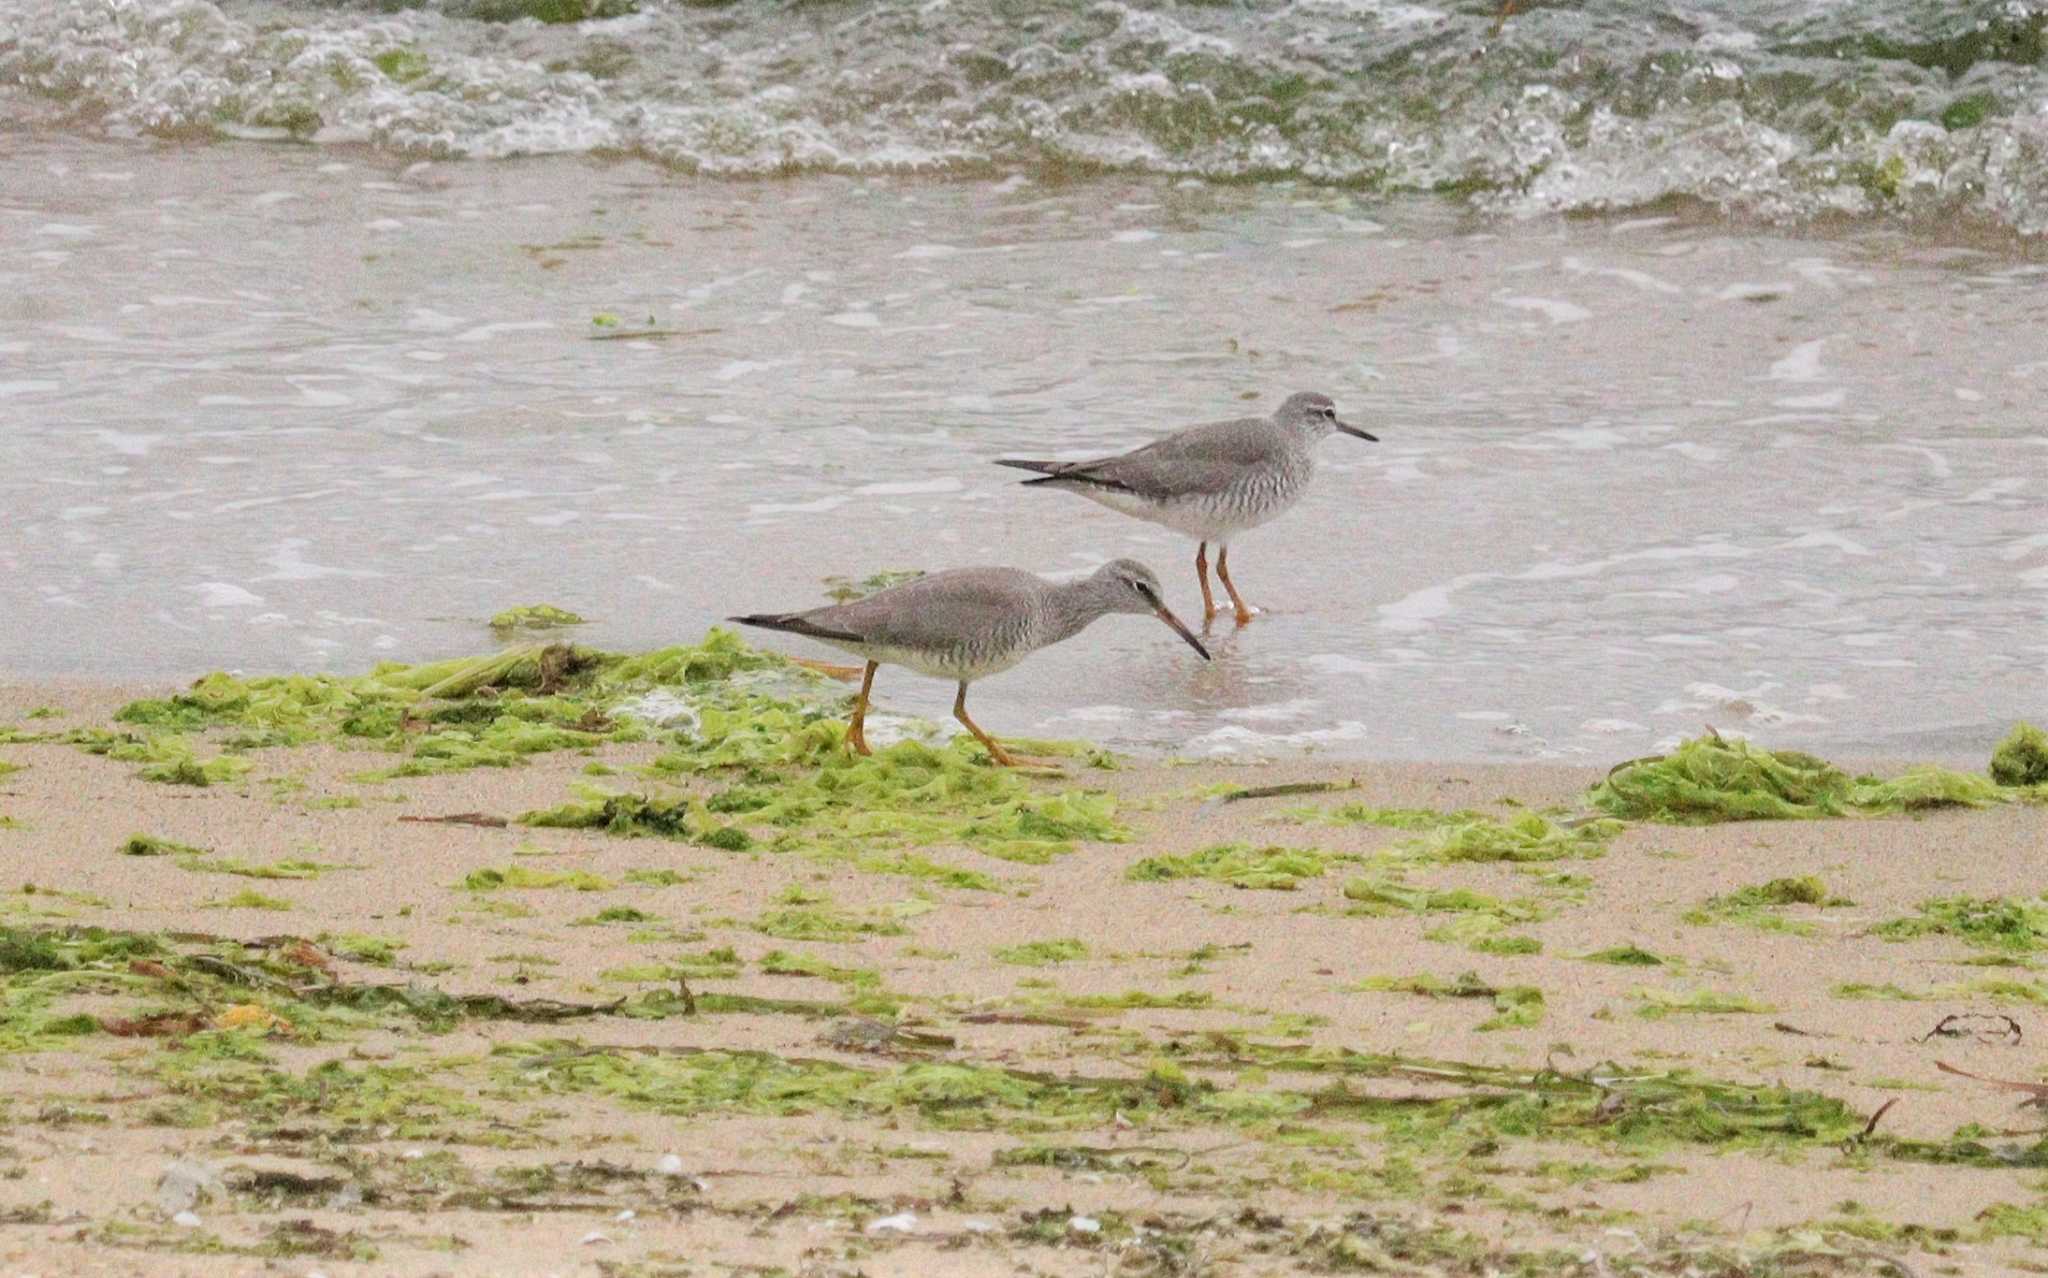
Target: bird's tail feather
{"x":1063,"y":473}
{"x":1077,"y":480}
{"x":1042,"y":467}
{"x":794,"y":623}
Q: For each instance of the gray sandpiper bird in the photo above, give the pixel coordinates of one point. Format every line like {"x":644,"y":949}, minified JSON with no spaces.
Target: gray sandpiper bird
{"x":1210,"y":482}
{"x":969,"y":623}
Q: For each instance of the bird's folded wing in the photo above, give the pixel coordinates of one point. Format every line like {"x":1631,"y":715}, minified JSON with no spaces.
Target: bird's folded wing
{"x":1197,"y":462}
{"x":937,"y":612}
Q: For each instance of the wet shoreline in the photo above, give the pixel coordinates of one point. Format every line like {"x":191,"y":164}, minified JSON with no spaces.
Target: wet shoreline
{"x":1638,"y":474}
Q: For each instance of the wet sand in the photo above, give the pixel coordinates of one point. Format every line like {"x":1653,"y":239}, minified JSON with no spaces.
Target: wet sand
{"x":492,"y":1144}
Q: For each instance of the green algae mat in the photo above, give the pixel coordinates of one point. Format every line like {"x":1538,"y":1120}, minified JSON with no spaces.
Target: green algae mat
{"x":443,"y":967}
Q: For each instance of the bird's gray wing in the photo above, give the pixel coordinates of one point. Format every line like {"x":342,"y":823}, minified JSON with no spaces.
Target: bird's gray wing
{"x":1199,"y":461}
{"x":938,"y":611}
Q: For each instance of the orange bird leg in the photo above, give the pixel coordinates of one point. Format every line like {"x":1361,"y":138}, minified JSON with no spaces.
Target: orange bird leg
{"x":1245,"y":612}
{"x":996,"y":753}
{"x":854,"y":736}
{"x":1209,"y":608}
{"x":995,"y":748}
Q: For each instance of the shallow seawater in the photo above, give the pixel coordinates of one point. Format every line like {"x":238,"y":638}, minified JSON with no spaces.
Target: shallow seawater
{"x":268,"y":406}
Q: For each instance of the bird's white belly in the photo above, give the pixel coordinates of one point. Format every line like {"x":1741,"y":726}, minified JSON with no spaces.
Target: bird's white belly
{"x":936,"y":665}
{"x":1213,"y":519}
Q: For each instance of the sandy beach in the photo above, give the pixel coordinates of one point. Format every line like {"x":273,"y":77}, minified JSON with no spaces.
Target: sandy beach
{"x":348,"y":1038}
{"x":1613,"y":851}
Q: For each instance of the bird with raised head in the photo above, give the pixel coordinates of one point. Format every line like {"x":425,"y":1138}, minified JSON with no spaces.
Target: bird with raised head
{"x":1210,"y":482}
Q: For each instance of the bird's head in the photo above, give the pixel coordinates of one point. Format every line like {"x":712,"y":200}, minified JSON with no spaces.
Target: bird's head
{"x":1315,"y":415}
{"x":1125,"y":585}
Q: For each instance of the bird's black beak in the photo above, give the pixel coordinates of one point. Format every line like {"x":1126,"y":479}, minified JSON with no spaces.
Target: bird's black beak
{"x":1349,"y":429}
{"x":1166,"y":615}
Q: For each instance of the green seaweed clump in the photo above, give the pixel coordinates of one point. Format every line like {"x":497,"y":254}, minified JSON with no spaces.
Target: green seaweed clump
{"x":1922,"y":788}
{"x":536,"y":617}
{"x":490,"y":879}
{"x":784,"y":963}
{"x":1623,"y":956}
{"x":150,"y":845}
{"x":1869,"y":990}
{"x":360,"y":947}
{"x":809,"y":918}
{"x":1388,"y":818}
{"x":489,"y":710}
{"x":1806,"y":890}
{"x":287,"y":869}
{"x":1464,"y":985}
{"x":1381,"y":897}
{"x":1238,"y":864}
{"x":173,"y":761}
{"x":1042,"y":953}
{"x":402,"y":65}
{"x":1717,"y":778}
{"x":660,"y":876}
{"x":1515,"y":1006}
{"x":701,"y":666}
{"x":786,"y":757}
{"x":796,"y":773}
{"x":1461,"y":1106}
{"x":1183,"y":1000}
{"x":248,"y":900}
{"x":641,"y":816}
{"x":941,"y":1093}
{"x":27,"y":950}
{"x":1757,"y":905}
{"x":629,"y":815}
{"x":2005,"y":990}
{"x":1658,"y":1004}
{"x":1528,"y":837}
{"x":912,"y":866}
{"x":1485,"y":933}
{"x":2022,"y":758}
{"x":1993,"y":923}
{"x":503,"y":742}
{"x":2004,"y":1220}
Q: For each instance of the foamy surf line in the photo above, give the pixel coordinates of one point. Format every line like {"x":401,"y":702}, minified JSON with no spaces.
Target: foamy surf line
{"x":1887,"y":111}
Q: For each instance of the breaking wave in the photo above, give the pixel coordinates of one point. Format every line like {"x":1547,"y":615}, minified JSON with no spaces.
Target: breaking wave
{"x":1781,"y":109}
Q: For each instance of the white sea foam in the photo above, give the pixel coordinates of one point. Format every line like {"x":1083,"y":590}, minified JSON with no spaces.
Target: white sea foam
{"x":1645,"y":115}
